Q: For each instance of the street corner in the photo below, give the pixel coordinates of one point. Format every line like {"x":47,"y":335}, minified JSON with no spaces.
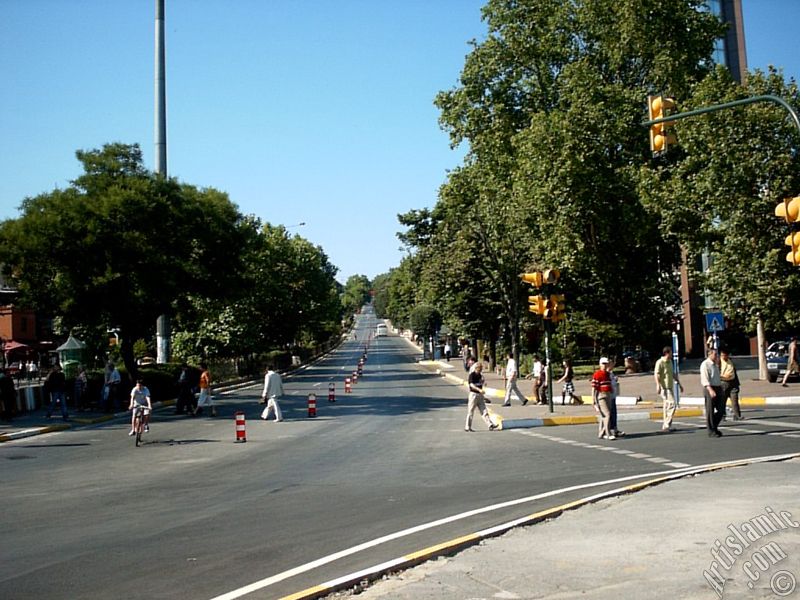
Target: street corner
{"x":32,"y":431}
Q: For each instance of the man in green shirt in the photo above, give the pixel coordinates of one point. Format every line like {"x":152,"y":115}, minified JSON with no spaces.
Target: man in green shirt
{"x":665,"y":384}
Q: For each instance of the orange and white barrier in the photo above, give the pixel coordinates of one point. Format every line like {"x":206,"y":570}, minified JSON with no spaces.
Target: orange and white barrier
{"x":331,"y":392}
{"x":347,"y":385}
{"x":241,"y":434}
{"x":312,"y":405}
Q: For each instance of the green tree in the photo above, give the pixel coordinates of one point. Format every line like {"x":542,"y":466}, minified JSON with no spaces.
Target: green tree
{"x":550,"y":104}
{"x":287,"y":295}
{"x":425,"y":320}
{"x":119,"y":246}
{"x":356,"y":293}
{"x":718,"y":192}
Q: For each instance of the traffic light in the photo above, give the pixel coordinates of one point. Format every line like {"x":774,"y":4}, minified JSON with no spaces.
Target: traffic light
{"x":535,"y":279}
{"x":661,"y":135}
{"x":789,"y":211}
{"x":793,"y":240}
{"x":538,"y":304}
{"x":559,"y":307}
{"x":550,"y":276}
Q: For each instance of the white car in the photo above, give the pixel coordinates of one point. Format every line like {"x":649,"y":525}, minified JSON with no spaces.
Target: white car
{"x":381,"y":331}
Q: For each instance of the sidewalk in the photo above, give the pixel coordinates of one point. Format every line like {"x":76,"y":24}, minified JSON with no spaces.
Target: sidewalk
{"x":637,"y":400}
{"x":733,"y":533}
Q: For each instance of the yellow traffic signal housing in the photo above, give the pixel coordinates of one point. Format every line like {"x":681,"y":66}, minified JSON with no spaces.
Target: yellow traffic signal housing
{"x":789,"y":209}
{"x":550,"y":308}
{"x":793,"y":241}
{"x":535,"y":279}
{"x":661,"y":135}
{"x":555,"y":308}
{"x":560,"y":307}
{"x":550,"y":276}
{"x":537,"y":304}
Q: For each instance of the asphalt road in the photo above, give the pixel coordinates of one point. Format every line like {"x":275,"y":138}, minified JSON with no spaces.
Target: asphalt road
{"x":192,"y":514}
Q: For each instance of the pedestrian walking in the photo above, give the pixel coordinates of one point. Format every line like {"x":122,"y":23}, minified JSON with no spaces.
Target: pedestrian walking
{"x":512,"y":374}
{"x":729,"y":381}
{"x":206,"y":400}
{"x":113,"y":380}
{"x":601,"y":391}
{"x":476,"y":399}
{"x":185,"y":401}
{"x":448,"y":351}
{"x":33,"y":371}
{"x":273,"y":390}
{"x":612,"y":400}
{"x":55,"y":384}
{"x":791,"y":361}
{"x":666,"y":379}
{"x":469,"y":361}
{"x":712,"y":392}
{"x":536,"y":375}
{"x":544,"y":383}
{"x":79,"y":389}
{"x":569,"y":385}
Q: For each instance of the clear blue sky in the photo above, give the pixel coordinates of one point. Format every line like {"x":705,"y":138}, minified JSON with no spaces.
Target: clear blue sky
{"x":315,"y":111}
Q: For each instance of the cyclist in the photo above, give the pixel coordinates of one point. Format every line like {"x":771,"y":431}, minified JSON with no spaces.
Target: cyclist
{"x":140,"y":396}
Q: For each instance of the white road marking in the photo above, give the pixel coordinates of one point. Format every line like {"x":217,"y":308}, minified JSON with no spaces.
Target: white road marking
{"x":268,"y":581}
{"x":615,"y":450}
{"x":784,"y":424}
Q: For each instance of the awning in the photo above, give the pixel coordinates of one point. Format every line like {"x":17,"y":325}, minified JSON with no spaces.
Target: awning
{"x":11,"y":345}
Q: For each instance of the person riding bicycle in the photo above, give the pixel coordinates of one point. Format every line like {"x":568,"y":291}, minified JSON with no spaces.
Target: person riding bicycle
{"x":140,"y":397}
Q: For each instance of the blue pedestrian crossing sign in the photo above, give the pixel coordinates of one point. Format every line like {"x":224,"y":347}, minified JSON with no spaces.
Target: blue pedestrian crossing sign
{"x":715,"y":321}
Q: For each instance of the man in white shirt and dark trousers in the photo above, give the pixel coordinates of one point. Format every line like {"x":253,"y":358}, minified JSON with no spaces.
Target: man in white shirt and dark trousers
{"x":512,"y":373}
{"x":712,"y":391}
{"x":273,"y":389}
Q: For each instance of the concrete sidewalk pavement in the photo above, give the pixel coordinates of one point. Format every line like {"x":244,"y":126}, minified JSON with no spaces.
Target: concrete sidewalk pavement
{"x":731,"y":533}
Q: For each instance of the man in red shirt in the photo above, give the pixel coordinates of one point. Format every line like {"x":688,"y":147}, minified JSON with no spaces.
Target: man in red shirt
{"x":601,"y":392}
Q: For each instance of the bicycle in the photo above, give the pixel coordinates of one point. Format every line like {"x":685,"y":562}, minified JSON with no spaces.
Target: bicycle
{"x":138,"y":422}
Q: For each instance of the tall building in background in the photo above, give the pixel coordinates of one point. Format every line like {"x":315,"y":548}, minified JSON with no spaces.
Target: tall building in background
{"x":729,"y":51}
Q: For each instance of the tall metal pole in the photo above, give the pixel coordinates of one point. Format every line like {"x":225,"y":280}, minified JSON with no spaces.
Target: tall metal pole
{"x":548,"y":366}
{"x":162,"y":324}
{"x":160,"y":94}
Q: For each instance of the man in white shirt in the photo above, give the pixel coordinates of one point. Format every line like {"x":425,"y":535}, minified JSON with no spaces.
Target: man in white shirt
{"x":712,"y":391}
{"x":273,"y":389}
{"x":512,"y":373}
{"x":538,"y":370}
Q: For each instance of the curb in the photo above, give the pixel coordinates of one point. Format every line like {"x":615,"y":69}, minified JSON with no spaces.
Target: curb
{"x":25,"y":433}
{"x":589,"y":419}
{"x":744,"y":401}
{"x":455,"y":545}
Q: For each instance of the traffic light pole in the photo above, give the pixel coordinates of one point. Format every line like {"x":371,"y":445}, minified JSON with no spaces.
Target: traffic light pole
{"x":734,"y":104}
{"x":549,"y":367}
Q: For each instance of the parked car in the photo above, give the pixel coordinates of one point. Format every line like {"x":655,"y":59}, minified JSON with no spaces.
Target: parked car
{"x":777,"y":359}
